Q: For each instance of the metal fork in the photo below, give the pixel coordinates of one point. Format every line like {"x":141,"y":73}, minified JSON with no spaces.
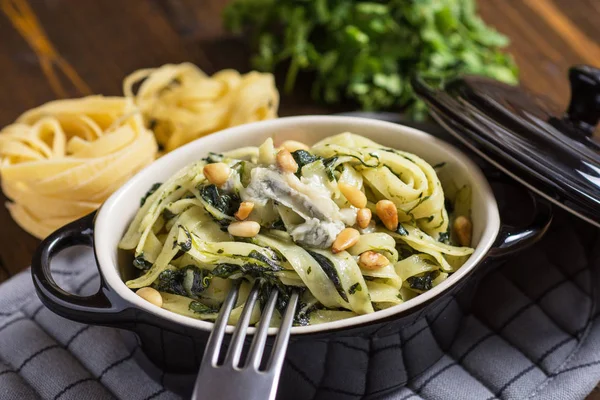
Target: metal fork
{"x":231,"y":380}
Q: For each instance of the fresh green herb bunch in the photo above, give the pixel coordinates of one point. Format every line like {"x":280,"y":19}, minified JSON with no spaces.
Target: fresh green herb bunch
{"x":368,"y":50}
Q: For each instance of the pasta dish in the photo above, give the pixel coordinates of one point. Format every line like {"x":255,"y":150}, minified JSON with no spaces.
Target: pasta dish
{"x":354,"y":226}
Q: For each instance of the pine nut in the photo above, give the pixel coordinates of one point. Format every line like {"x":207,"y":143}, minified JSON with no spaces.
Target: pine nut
{"x":151,"y":295}
{"x":244,"y":211}
{"x":354,"y":195}
{"x":464,"y":230}
{"x":244,"y":228}
{"x":217,"y":173}
{"x":346,"y":239}
{"x":286,"y":162}
{"x":387,"y":213}
{"x":372,"y":260}
{"x":293,"y":145}
{"x":363,"y":217}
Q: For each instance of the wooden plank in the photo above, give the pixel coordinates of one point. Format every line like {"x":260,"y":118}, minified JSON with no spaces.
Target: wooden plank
{"x":533,"y":39}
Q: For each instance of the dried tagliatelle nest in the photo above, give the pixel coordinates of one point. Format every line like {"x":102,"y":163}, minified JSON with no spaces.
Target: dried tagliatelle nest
{"x":60,"y":161}
{"x":181,"y":103}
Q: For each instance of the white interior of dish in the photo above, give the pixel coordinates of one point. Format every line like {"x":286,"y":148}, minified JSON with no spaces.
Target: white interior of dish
{"x":116,"y":213}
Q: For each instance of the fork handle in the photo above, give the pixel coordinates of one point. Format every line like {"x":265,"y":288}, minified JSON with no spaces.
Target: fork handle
{"x":229,"y":384}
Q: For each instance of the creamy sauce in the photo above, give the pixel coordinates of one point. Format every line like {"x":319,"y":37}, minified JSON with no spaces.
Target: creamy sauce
{"x":323,"y":220}
{"x":316,"y":233}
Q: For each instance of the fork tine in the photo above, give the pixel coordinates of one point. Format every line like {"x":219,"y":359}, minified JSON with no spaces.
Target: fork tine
{"x":260,"y":336}
{"x":237,"y":341}
{"x":213,"y":346}
{"x":283,"y":337}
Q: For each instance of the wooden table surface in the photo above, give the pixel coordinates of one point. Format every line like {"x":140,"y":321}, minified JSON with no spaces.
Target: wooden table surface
{"x":105,"y":40}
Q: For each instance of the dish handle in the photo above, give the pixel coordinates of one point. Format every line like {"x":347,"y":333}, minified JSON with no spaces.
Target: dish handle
{"x":103,"y":307}
{"x":512,"y":239}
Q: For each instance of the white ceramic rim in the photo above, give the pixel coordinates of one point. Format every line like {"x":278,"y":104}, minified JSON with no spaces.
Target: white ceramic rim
{"x":109,"y":269}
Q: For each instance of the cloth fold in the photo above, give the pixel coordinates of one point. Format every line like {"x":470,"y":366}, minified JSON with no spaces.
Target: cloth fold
{"x":46,"y":356}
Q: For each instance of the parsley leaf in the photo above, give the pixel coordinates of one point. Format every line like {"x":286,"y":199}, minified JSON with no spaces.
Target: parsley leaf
{"x":368,"y":51}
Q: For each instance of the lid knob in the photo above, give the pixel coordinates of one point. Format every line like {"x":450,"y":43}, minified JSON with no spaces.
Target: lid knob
{"x":584,"y":108}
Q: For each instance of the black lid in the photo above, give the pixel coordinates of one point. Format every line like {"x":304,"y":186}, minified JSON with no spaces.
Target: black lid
{"x":554,"y":153}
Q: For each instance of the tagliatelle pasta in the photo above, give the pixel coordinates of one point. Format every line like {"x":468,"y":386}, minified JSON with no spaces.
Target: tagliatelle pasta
{"x":302,"y":233}
{"x":181,"y":103}
{"x":60,"y":161}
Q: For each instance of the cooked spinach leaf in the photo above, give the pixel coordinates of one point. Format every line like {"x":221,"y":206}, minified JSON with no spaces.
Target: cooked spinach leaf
{"x":244,"y":170}
{"x":329,"y":164}
{"x":188,"y":281}
{"x":213,"y":158}
{"x":261,"y":268}
{"x":170,"y":281}
{"x":141,"y":263}
{"x":401,"y":230}
{"x":152,"y":189}
{"x":267,"y":285}
{"x":331,"y":272}
{"x":201,"y":308}
{"x":302,"y":316}
{"x":404,"y":250}
{"x":423,"y":282}
{"x":227,"y":203}
{"x":186,"y":245}
{"x":279,"y":225}
{"x":444,"y":237}
{"x":355,"y":288}
{"x":270,"y":262}
{"x":226,"y":270}
{"x":303,"y":157}
{"x":168,"y":214}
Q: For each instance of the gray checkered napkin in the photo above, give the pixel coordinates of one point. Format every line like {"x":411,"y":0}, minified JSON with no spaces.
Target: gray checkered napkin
{"x":533,"y":333}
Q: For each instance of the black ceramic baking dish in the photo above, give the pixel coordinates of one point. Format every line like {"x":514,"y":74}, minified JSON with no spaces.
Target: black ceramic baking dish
{"x":389,"y":337}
